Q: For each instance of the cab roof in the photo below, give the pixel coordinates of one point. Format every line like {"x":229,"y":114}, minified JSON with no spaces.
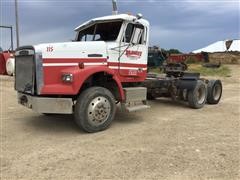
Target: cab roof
{"x":125,"y":17}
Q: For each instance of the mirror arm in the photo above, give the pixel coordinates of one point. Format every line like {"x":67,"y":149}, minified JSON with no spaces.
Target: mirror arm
{"x":114,"y":48}
{"x":125,"y":50}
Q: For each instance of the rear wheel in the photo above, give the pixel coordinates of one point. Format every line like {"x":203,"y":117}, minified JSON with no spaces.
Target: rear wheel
{"x":214,"y":91}
{"x":183,"y":95}
{"x":95,"y":109}
{"x":197,"y":97}
{"x":150,"y":96}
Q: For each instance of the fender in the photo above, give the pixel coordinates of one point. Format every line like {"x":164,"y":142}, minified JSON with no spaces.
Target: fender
{"x":186,"y":84}
{"x":79,"y":77}
{"x":188,"y":81}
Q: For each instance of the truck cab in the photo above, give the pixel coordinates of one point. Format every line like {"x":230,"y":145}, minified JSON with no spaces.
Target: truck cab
{"x":126,"y":39}
{"x":86,"y":77}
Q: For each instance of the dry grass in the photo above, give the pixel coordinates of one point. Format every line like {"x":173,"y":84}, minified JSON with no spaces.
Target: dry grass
{"x":225,"y":57}
{"x":222,"y":71}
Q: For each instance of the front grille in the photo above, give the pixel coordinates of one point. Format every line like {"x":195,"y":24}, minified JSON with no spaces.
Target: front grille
{"x":24,"y":71}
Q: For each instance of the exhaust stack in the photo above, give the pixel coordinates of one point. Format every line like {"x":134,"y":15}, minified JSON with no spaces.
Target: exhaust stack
{"x":114,"y":4}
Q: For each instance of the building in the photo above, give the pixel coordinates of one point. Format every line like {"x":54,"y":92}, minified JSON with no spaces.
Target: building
{"x":221,"y":46}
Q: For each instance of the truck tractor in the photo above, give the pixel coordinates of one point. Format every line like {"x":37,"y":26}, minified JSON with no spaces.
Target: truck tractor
{"x":104,"y":66}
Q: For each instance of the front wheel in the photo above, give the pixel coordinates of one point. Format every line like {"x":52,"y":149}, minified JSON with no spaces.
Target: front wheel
{"x":95,"y":109}
{"x":198,"y":96}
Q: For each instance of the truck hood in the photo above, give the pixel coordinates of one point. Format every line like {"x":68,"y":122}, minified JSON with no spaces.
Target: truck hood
{"x":83,"y":49}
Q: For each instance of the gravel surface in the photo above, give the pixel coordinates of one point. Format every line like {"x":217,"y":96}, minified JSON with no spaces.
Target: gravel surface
{"x":167,"y":141}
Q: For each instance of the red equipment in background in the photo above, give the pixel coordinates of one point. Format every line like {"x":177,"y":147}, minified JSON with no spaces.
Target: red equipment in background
{"x":4,"y":56}
{"x":177,"y":58}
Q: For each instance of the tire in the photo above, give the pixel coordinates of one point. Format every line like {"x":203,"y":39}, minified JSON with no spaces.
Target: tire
{"x":150,"y":96}
{"x":198,"y":96}
{"x":95,"y":109}
{"x":50,"y":114}
{"x":183,"y":95}
{"x":214,"y":91}
{"x":47,"y":114}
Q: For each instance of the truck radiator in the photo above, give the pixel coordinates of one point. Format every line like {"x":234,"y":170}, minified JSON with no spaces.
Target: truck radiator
{"x":24,"y":71}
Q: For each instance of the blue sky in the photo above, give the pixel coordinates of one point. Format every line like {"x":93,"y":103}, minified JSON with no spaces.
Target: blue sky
{"x":183,"y":24}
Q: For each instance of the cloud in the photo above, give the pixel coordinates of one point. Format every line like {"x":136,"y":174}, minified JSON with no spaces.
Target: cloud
{"x":186,"y":24}
{"x":50,"y":35}
{"x":172,"y":38}
{"x":212,"y":6}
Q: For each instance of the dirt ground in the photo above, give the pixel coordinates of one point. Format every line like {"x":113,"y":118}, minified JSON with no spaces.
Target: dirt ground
{"x":168,"y":141}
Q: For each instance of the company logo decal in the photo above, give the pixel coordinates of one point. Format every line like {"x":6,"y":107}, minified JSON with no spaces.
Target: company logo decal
{"x":130,"y":53}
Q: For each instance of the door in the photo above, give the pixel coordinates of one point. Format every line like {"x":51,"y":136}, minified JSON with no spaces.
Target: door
{"x":133,"y":58}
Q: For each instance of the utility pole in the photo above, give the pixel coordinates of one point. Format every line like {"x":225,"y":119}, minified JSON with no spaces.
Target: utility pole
{"x":16,"y":17}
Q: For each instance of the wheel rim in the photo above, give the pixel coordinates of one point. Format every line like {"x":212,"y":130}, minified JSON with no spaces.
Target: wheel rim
{"x":217,"y":92}
{"x":99,"y":110}
{"x":201,"y":94}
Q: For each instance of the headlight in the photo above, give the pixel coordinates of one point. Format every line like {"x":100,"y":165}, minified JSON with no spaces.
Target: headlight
{"x":67,"y":77}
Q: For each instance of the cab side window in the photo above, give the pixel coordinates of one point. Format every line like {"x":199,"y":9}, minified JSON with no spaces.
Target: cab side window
{"x":130,"y":30}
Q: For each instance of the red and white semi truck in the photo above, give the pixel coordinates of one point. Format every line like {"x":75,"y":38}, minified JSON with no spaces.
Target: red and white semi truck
{"x":105,"y":65}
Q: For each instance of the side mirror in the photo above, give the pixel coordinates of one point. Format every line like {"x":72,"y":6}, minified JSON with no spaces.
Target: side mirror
{"x":137,"y":33}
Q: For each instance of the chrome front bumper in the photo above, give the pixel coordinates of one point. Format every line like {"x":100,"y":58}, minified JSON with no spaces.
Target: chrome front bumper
{"x":46,"y":104}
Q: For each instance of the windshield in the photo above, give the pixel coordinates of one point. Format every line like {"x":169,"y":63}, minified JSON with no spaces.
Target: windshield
{"x":107,"y":31}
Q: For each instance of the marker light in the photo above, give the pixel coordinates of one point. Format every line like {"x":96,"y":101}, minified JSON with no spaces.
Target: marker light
{"x":139,"y":16}
{"x":81,"y":65}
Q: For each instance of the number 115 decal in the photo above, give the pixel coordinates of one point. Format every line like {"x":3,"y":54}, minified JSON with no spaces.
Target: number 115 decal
{"x":49,"y":48}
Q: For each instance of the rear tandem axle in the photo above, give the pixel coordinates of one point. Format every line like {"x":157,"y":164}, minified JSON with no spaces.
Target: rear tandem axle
{"x":180,"y":85}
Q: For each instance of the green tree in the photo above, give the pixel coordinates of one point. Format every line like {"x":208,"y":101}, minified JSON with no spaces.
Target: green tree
{"x":174,"y":51}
